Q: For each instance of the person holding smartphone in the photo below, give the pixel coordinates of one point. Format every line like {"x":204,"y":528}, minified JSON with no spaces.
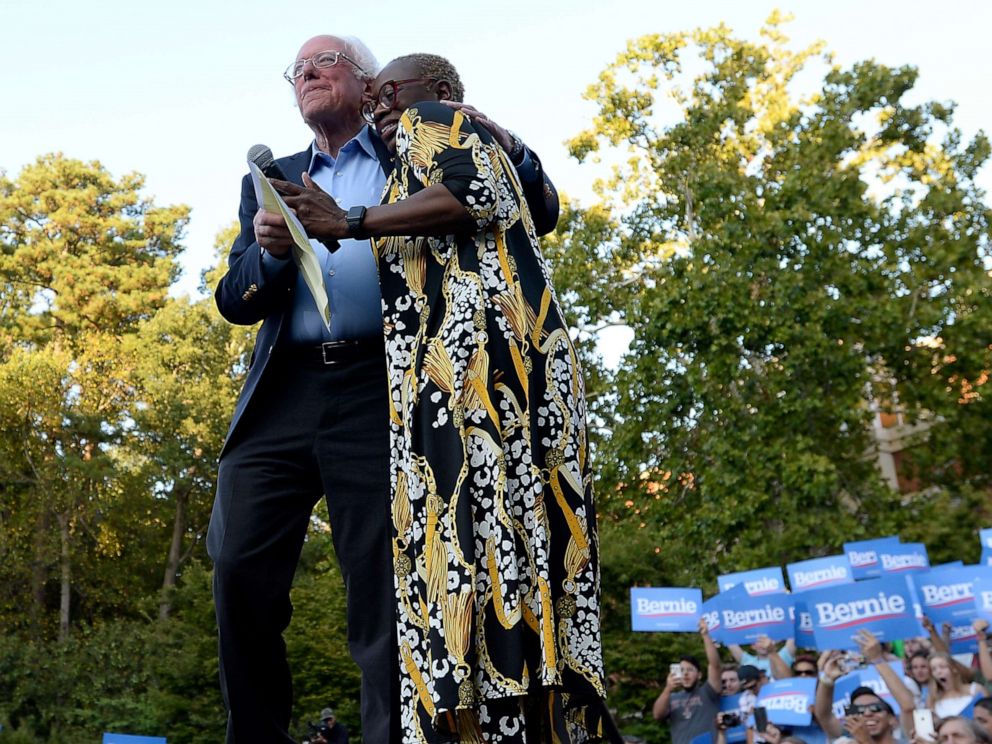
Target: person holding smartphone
{"x":689,"y":701}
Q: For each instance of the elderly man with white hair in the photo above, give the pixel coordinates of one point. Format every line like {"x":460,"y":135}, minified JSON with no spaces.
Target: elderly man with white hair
{"x":312,"y":418}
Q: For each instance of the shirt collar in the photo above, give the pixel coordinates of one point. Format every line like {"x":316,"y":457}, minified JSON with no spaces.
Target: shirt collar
{"x":363,"y":140}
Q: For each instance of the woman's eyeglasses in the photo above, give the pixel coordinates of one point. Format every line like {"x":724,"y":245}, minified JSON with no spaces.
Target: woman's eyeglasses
{"x":386,"y":96}
{"x":804,"y":672}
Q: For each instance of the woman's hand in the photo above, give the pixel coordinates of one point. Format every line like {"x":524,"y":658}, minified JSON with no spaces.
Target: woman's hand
{"x":319,"y":214}
{"x":502,"y":137}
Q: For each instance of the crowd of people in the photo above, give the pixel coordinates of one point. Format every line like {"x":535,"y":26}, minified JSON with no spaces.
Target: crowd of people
{"x":941,"y":698}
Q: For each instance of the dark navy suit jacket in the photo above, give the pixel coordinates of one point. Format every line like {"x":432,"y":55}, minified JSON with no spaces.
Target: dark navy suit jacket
{"x":245,"y":296}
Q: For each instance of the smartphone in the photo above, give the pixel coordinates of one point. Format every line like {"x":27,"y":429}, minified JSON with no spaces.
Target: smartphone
{"x":675,"y":669}
{"x":760,"y":719}
{"x":923,"y":723}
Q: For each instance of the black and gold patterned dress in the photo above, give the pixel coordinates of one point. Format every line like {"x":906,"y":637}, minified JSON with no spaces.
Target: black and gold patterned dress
{"x":494,"y":531}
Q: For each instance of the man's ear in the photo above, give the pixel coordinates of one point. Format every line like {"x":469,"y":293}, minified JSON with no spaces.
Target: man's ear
{"x":443,"y":90}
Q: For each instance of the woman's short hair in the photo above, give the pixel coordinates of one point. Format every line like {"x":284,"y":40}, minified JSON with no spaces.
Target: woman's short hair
{"x":439,"y":68}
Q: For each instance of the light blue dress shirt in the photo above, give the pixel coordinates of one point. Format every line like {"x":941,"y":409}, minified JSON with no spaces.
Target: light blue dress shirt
{"x":353,"y":178}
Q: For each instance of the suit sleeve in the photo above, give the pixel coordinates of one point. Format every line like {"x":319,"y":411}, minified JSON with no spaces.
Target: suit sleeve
{"x":247,"y":293}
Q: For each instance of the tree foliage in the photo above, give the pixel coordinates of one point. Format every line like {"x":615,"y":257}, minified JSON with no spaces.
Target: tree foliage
{"x":790,"y":266}
{"x":797,"y":248}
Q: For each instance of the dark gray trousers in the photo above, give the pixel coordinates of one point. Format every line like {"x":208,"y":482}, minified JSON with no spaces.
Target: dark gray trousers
{"x":310,"y":430}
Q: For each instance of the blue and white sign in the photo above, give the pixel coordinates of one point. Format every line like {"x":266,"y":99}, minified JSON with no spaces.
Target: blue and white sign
{"x":947,"y":595}
{"x":788,"y":701}
{"x":964,"y":639}
{"x":983,"y":598}
{"x":884,"y":606}
{"x":732,"y":704}
{"x":949,"y":564}
{"x":819,"y":572}
{"x":758,"y":582}
{"x":129,"y":739}
{"x":904,"y":558}
{"x":863,"y":555}
{"x":665,"y":610}
{"x":803,"y":629}
{"x":986,"y":537}
{"x":743,"y":618}
{"x":843,"y":688}
{"x":871,"y":678}
{"x":986,"y":559}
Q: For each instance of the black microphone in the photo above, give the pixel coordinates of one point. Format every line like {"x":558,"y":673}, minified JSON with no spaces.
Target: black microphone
{"x":261,"y":156}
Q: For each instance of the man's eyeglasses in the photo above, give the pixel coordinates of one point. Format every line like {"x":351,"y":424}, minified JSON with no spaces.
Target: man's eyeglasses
{"x":804,"y":672}
{"x":320,"y":60}
{"x":387,"y":95}
{"x":858,"y":710}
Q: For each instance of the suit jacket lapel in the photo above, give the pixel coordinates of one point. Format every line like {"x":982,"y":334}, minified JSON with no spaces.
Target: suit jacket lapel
{"x":295,"y":165}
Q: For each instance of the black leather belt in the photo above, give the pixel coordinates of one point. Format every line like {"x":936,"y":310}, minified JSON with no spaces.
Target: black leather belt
{"x":333,"y":352}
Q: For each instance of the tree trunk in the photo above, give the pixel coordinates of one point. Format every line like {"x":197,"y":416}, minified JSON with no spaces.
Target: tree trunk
{"x":39,"y":574}
{"x":175,"y":555}
{"x":65,"y":574}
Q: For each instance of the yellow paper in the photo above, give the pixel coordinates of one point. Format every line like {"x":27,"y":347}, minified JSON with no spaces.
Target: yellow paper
{"x":304,"y":255}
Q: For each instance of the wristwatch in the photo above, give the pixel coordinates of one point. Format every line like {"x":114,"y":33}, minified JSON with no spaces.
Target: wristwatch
{"x":355,"y":217}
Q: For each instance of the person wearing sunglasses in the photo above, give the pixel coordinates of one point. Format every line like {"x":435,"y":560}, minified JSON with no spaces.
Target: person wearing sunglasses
{"x":868,"y":718}
{"x":313,"y":416}
{"x":494,"y":528}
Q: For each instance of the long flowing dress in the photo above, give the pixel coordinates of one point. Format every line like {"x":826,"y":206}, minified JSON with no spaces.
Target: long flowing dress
{"x":494,"y":531}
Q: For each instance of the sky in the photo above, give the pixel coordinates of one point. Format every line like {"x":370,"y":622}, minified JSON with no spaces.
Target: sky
{"x":179,"y":91}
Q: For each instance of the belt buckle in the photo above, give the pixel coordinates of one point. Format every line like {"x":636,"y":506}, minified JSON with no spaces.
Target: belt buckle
{"x":329,"y":346}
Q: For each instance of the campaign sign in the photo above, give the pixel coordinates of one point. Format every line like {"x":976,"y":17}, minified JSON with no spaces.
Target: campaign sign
{"x":788,"y":701}
{"x":843,"y":688}
{"x":947,"y":595}
{"x":758,"y":582}
{"x":986,"y":559}
{"x":871,"y":678}
{"x":904,"y":558}
{"x":885,"y":606}
{"x":863,"y":556}
{"x":986,"y":537}
{"x":743,"y":618}
{"x":983,"y":598}
{"x":665,"y":610}
{"x":819,"y":572}
{"x":128,"y":739}
{"x":964,"y":639}
{"x":803,"y":629}
{"x":732,"y":704}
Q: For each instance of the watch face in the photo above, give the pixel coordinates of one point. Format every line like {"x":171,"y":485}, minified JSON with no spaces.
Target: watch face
{"x":354,"y":219}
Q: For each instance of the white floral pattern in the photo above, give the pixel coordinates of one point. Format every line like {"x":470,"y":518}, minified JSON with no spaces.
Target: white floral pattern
{"x":495,"y":546}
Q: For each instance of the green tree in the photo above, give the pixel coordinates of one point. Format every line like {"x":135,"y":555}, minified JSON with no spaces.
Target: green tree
{"x":789,"y":267}
{"x":84,"y":259}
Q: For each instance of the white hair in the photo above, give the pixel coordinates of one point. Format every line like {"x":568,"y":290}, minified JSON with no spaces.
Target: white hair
{"x":359,"y":52}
